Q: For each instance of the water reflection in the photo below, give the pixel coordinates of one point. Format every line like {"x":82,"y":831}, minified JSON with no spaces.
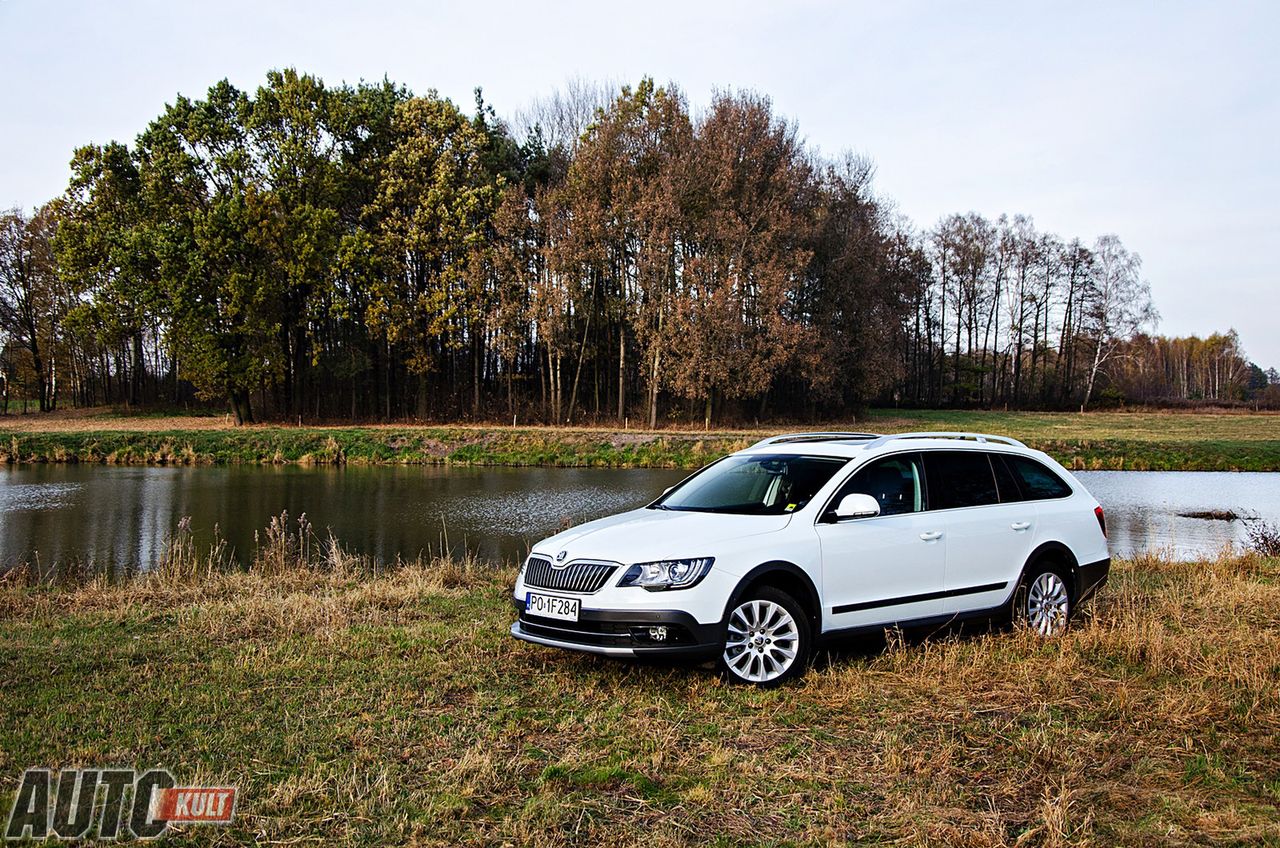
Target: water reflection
{"x":1144,"y":509}
{"x":120,"y":517}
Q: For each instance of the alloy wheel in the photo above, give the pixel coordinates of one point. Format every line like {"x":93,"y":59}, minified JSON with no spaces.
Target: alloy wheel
{"x":1048,"y":604}
{"x":763,"y":641}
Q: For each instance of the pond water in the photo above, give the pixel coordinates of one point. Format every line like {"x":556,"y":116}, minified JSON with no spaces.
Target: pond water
{"x":120,"y":517}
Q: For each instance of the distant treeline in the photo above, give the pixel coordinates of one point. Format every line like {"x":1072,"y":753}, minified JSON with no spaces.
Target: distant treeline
{"x":361,"y":252}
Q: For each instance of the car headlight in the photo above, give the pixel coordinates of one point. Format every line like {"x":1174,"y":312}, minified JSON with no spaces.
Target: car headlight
{"x":667,"y":573}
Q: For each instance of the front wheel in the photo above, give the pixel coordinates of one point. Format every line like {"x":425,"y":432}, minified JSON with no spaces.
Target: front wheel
{"x":1044,"y":601}
{"x":768,"y":639}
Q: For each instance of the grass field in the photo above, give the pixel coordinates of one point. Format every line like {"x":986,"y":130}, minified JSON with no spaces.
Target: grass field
{"x":359,"y":708}
{"x":1101,"y":440}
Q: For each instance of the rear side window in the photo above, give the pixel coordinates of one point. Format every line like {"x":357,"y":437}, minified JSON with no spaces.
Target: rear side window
{"x":1006,"y":481}
{"x":959,"y":478}
{"x":1037,"y":481}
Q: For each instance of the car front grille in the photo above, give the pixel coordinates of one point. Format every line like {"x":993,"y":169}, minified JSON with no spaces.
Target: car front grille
{"x":584,"y":577}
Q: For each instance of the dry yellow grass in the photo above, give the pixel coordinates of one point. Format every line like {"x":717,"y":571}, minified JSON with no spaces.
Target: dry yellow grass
{"x":360,"y":707}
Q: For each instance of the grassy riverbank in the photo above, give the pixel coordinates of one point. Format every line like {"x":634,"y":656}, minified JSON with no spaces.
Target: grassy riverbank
{"x":1106,"y":440}
{"x":353,"y":707}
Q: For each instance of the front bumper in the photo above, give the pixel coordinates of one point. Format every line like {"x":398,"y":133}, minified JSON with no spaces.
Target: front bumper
{"x":622,"y":633}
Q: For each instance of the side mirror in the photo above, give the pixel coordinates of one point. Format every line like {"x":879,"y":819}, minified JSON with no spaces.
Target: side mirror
{"x":668,"y":489}
{"x":857,"y":506}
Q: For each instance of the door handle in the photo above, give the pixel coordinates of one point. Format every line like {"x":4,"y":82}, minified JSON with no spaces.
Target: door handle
{"x":931,"y":536}
{"x":1020,"y":525}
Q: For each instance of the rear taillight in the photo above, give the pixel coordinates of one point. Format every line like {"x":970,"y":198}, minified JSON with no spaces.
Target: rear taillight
{"x":1102,"y":521}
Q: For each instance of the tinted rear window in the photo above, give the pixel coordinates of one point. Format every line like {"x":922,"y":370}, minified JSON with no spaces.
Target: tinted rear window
{"x":1006,"y":481}
{"x":959,"y":478}
{"x":1037,"y":481}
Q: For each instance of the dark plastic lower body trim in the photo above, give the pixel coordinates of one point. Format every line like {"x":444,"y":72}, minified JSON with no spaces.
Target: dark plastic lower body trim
{"x":1091,"y":577}
{"x":914,"y":599}
{"x":622,"y":632}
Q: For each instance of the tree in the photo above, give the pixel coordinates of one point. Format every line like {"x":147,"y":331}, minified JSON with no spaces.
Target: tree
{"x":359,"y":251}
{"x":30,"y":306}
{"x":742,"y":219}
{"x":1117,"y":304}
{"x":857,"y":288}
{"x":296,"y":160}
{"x":209,"y":212}
{"x":622,"y":219}
{"x":432,"y":207}
{"x":104,"y":252}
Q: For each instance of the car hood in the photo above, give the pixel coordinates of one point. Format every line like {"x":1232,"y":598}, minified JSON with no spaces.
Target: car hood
{"x":650,"y":534}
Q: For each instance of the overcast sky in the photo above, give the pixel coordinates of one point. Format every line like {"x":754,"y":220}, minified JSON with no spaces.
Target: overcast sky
{"x":1156,"y":121}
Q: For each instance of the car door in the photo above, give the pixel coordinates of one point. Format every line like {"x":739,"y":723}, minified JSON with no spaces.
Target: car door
{"x":988,"y":539}
{"x":886,"y":568}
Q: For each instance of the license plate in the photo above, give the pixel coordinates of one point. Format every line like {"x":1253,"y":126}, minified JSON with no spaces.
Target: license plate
{"x":552,"y":606}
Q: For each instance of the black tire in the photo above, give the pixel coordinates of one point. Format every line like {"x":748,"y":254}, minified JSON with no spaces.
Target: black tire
{"x":753,"y":655}
{"x":1044,"y":602}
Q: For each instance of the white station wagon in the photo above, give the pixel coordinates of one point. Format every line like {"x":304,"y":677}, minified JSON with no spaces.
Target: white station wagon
{"x":802,"y":538}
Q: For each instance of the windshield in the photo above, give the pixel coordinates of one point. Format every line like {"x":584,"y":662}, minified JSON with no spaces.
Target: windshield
{"x":756,"y":484}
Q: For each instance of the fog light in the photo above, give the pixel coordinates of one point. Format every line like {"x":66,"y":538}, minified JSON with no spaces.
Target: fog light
{"x":658,"y":634}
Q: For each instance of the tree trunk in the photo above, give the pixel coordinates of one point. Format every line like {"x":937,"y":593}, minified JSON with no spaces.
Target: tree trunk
{"x":477,"y":349}
{"x":241,"y":407}
{"x":138,"y":368}
{"x":553,"y":378}
{"x":53,"y":383}
{"x":577,"y":373}
{"x":37,"y":364}
{"x":622,"y":374}
{"x":653,"y":389}
{"x":1093,"y":375}
{"x":424,"y":397}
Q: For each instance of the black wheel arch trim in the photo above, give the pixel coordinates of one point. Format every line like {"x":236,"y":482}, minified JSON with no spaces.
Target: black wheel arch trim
{"x":1052,"y":547}
{"x":812,"y":602}
{"x":1086,"y":578}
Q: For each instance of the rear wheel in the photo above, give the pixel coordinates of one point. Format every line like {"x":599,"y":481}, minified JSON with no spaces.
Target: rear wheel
{"x":768,"y":639}
{"x":1043,"y":602}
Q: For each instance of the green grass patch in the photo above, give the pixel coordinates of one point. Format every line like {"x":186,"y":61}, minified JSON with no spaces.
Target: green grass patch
{"x":1094,"y":441}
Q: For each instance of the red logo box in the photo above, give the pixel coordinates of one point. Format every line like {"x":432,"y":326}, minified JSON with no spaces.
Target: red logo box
{"x":208,"y":804}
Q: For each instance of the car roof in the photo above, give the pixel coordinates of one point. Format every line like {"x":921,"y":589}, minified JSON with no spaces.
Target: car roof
{"x":851,"y":445}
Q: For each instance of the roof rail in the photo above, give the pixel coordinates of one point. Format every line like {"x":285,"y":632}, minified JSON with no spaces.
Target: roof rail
{"x":815,"y":437}
{"x":976,"y":437}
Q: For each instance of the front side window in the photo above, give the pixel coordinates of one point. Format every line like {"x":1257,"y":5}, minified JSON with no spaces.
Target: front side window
{"x":959,"y":479}
{"x":896,"y":482}
{"x":755,"y":484}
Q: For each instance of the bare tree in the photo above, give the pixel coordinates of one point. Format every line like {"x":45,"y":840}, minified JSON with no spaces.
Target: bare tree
{"x":1117,"y":304}
{"x":562,"y":117}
